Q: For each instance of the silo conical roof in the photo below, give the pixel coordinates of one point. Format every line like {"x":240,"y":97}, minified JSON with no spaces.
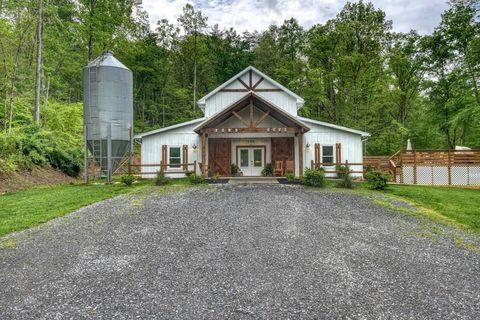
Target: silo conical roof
{"x":107,"y":60}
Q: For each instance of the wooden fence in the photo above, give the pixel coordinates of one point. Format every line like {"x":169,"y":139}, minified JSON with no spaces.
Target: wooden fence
{"x":436,"y":167}
{"x":136,"y":169}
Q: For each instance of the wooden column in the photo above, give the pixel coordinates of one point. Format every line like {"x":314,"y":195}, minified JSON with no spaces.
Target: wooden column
{"x":317,"y":155}
{"x":338,"y":153}
{"x":204,"y":153}
{"x":164,"y":158}
{"x":300,"y":154}
{"x":185,"y":157}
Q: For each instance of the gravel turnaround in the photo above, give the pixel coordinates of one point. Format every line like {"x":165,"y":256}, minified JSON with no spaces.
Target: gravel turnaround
{"x":236,"y":252}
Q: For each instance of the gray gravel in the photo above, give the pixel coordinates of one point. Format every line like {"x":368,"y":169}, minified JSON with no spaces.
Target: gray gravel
{"x":237,"y":252}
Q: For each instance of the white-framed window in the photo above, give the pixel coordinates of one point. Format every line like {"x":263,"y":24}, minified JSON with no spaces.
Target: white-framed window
{"x":175,"y":156}
{"x":327,"y":154}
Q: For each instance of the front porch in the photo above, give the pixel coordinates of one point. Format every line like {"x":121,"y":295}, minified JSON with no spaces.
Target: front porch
{"x":249,"y":135}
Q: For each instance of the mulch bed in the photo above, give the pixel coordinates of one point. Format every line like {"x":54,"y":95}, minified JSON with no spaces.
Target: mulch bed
{"x":218,"y":181}
{"x":285,"y":181}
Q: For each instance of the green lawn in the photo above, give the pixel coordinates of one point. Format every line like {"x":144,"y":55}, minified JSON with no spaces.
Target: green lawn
{"x":24,"y":209}
{"x":457,"y":204}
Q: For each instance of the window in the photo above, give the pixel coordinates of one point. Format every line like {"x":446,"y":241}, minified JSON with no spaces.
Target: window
{"x":243,"y":157}
{"x":174,"y":157}
{"x":257,"y":158}
{"x":327,"y":154}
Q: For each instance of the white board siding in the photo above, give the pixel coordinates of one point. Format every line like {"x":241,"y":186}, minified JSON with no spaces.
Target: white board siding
{"x":351,"y":146}
{"x":152,"y":148}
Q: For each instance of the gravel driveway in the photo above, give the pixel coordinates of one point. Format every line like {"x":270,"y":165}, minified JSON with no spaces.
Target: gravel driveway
{"x":237,"y":252}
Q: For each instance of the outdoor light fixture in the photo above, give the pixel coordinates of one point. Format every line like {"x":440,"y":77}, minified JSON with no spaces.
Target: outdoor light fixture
{"x":307,"y":145}
{"x":194,"y":147}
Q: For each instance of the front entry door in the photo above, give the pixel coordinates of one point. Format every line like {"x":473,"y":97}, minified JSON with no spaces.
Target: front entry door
{"x":250,"y":160}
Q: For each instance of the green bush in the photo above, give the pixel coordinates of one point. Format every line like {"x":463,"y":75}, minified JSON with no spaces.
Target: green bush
{"x":345,"y":182}
{"x":30,"y":146}
{"x":267,"y":170}
{"x":127,"y":180}
{"x":290,"y":177}
{"x":314,"y":178}
{"x":234,"y":169}
{"x":377,"y":180}
{"x":194,"y":179}
{"x":160,"y":179}
{"x":341,"y":171}
{"x":70,"y":164}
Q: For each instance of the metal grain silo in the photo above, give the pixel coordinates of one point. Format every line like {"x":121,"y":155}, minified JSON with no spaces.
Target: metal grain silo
{"x":108,"y":111}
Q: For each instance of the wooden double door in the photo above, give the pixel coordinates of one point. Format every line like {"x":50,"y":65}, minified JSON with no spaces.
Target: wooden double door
{"x":220,"y":156}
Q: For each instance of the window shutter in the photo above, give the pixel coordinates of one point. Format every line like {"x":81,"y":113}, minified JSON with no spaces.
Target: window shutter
{"x":338,"y":153}
{"x":164,"y":156}
{"x":317,"y":154}
{"x":185,"y":157}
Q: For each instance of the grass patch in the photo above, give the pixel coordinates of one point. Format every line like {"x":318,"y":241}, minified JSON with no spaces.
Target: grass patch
{"x":455,"y":206}
{"x":25,"y":209}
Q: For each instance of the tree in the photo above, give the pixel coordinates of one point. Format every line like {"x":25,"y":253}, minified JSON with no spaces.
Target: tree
{"x":193,"y":23}
{"x":38,"y":73}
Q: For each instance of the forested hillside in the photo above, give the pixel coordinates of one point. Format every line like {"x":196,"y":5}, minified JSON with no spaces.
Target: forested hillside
{"x":353,"y":70}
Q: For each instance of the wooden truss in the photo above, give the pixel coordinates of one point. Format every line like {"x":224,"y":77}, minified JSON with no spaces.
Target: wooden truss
{"x":251,"y":86}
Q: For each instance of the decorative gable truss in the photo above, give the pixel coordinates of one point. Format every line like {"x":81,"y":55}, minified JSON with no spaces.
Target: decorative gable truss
{"x":251,"y":86}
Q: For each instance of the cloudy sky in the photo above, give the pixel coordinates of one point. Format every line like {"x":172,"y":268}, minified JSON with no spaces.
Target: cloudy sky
{"x":422,"y":15}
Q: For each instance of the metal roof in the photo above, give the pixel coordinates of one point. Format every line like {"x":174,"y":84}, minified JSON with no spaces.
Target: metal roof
{"x":334,"y":126}
{"x":175,"y":126}
{"x":106,"y":60}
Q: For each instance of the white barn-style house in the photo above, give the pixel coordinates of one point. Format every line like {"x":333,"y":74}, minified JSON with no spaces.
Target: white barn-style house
{"x":250,"y":121}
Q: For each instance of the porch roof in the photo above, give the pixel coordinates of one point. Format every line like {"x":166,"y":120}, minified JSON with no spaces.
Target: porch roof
{"x":261,"y":104}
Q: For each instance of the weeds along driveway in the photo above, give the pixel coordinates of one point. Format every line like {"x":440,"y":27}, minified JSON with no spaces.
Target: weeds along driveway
{"x":237,"y":252}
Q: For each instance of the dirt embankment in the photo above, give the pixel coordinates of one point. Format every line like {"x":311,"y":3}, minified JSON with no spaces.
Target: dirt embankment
{"x":36,"y":177}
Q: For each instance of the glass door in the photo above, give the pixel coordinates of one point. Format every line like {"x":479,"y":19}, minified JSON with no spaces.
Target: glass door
{"x":251,"y":160}
{"x":244,"y":161}
{"x":257,"y":161}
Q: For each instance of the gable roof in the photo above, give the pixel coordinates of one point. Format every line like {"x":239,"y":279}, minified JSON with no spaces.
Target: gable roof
{"x":334,"y":126}
{"x":300,"y":101}
{"x":262,"y":104}
{"x":175,"y":126}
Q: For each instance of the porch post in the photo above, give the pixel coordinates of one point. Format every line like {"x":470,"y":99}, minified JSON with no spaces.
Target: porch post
{"x":300,"y":154}
{"x":204,"y":153}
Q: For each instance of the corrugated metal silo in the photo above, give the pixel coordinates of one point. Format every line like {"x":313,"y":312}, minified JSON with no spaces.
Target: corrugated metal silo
{"x":108,"y":111}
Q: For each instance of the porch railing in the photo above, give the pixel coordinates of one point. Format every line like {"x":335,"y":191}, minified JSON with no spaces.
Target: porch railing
{"x":136,"y":169}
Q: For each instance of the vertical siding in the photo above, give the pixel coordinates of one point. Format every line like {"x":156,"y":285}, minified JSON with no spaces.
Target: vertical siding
{"x":152,"y":146}
{"x":351,"y":145}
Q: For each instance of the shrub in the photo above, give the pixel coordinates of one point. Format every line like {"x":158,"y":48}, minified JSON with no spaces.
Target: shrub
{"x":345,"y":182}
{"x":234,"y":169}
{"x":160,"y":179}
{"x":377,"y":180}
{"x":314,"y":178}
{"x":128,"y":180}
{"x":290,"y":177}
{"x":189,"y":173}
{"x":68,"y":163}
{"x":216,"y":176}
{"x":194,"y":179}
{"x":267,"y":171}
{"x":341,"y":171}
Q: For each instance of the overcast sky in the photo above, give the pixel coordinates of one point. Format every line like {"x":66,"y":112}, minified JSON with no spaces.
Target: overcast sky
{"x":422,"y":15}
